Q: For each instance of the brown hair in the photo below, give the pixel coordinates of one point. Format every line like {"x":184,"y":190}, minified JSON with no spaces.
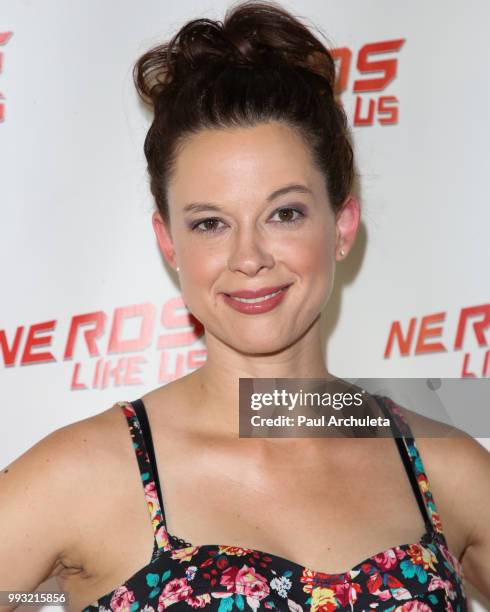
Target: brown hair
{"x":260,"y":64}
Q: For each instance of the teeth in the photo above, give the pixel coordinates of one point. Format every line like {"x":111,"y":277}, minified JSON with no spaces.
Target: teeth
{"x":259,"y":299}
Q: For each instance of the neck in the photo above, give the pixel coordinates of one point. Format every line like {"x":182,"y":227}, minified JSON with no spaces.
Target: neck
{"x":215,"y":386}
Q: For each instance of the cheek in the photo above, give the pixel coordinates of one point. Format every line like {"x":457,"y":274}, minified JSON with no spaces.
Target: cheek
{"x":315,"y":262}
{"x":200,"y":262}
{"x":314,"y":254}
{"x":202,"y":272}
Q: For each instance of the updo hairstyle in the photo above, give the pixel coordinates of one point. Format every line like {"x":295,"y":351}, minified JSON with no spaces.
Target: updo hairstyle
{"x":260,"y":64}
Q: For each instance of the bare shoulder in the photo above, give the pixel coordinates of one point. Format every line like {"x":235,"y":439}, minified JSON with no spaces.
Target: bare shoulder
{"x":444,"y":439}
{"x":92,"y":437}
{"x":92,"y":450}
{"x":458,"y":470}
{"x":82,"y":448}
{"x":66,"y":448}
{"x":71,"y":454}
{"x":454,"y":457}
{"x":54,"y":474}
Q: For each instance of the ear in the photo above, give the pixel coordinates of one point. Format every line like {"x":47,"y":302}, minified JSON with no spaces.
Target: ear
{"x":164,"y":238}
{"x":347,"y":224}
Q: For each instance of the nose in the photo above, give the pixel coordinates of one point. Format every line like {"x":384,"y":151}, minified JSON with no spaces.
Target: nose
{"x":249,"y":253}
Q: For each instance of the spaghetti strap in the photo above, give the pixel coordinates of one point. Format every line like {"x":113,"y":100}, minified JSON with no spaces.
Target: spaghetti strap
{"x":414,"y":466}
{"x":140,"y":410}
{"x":135,"y":416}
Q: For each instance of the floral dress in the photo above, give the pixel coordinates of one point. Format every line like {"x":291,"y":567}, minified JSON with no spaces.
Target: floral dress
{"x":414,"y":577}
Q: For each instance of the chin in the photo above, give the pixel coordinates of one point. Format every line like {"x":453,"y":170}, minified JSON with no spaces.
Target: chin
{"x":257,"y":344}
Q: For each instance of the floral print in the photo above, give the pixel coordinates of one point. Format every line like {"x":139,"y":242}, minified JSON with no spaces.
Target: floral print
{"x":414,"y":577}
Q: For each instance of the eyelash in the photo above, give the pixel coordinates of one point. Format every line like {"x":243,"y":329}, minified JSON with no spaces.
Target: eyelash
{"x":212,"y":231}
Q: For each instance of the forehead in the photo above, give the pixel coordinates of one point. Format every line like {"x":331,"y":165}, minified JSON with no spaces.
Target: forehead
{"x":232,"y":162}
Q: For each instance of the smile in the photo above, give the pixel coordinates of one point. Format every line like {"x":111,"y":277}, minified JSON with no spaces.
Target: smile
{"x":259,"y":299}
{"x":256,"y":305}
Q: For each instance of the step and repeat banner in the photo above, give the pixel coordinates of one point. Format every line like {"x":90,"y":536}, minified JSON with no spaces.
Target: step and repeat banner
{"x":91,"y":314}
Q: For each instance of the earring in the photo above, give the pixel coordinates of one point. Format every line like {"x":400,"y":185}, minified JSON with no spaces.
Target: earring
{"x":342,"y":252}
{"x":177,"y":268}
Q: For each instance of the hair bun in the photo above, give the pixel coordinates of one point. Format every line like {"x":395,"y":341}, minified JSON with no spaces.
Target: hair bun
{"x":256,"y":35}
{"x":254,"y":39}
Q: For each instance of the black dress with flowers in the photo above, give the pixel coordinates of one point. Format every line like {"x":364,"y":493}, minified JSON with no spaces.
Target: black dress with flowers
{"x":416,"y":577}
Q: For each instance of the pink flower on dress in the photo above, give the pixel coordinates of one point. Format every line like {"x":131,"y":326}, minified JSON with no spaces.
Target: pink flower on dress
{"x":389,"y":558}
{"x":245,"y":581}
{"x":122,"y":599}
{"x":385,"y":595}
{"x":347,"y":592}
{"x":198,"y":601}
{"x":437,"y":582}
{"x":174,"y":591}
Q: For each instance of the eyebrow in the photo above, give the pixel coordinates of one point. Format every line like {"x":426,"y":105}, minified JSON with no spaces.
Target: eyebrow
{"x":201,"y":206}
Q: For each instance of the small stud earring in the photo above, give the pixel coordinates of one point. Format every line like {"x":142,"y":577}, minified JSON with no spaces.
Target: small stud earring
{"x":342,"y":252}
{"x":177,"y":268}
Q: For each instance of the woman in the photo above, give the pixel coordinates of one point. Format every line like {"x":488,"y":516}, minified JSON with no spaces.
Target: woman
{"x":251,"y":169}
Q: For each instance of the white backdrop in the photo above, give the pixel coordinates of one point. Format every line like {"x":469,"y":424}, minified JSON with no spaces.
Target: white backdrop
{"x":76,"y":235}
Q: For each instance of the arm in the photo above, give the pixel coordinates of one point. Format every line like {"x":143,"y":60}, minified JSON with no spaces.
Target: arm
{"x":36,"y":493}
{"x":475,"y":503}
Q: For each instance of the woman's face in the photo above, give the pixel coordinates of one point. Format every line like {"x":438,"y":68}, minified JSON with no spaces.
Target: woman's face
{"x":247,"y":234}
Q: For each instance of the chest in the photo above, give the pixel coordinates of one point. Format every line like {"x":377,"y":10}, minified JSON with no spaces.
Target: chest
{"x":327,"y":514}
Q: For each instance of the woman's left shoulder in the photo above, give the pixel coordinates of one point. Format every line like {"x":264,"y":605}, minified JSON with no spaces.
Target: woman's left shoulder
{"x":446,"y":444}
{"x":458,"y":470}
{"x":449,"y":454}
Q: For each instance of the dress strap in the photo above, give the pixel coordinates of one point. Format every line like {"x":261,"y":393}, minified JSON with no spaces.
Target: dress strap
{"x":413,"y":464}
{"x":147,"y":442}
{"x":143,"y":446}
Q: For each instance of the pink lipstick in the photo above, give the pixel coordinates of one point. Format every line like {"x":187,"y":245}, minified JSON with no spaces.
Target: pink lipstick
{"x":256,"y":302}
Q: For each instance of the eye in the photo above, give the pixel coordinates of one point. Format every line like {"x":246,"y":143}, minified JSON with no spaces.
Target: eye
{"x":206,"y":222}
{"x":211,"y":223}
{"x":289,"y":209}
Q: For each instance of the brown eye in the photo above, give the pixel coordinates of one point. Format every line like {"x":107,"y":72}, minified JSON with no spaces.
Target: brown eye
{"x":209,"y":224}
{"x":287,"y":215}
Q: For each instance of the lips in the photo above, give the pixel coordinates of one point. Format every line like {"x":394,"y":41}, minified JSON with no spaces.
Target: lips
{"x":250,"y":293}
{"x":258,"y":304}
